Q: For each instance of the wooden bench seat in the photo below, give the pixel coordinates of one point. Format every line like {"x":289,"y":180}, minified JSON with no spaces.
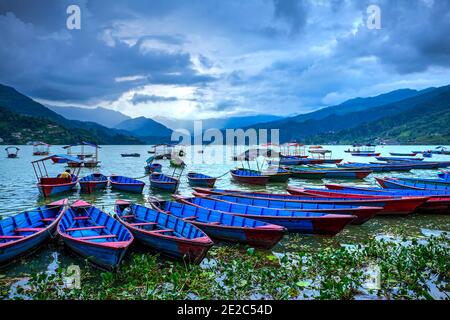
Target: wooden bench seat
{"x":162,"y":230}
{"x":85,"y":228}
{"x":138,"y":224}
{"x":28,"y":229}
{"x":11,"y":237}
{"x":81,"y":218}
{"x":106,"y":236}
{"x":48,"y":219}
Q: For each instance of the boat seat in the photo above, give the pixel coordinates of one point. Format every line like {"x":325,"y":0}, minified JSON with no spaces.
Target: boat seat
{"x":85,"y":228}
{"x":81,"y":218}
{"x":128,"y":216}
{"x":11,"y":237}
{"x":214,"y":222}
{"x":191,"y":218}
{"x":28,"y":229}
{"x":162,"y":230}
{"x":98,"y":237}
{"x":48,"y":219}
{"x":137,"y":224}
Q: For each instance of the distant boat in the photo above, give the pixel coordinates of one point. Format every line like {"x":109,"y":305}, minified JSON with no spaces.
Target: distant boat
{"x":24,"y":232}
{"x":41,"y":149}
{"x":165,"y":233}
{"x":126,"y":184}
{"x":136,"y":155}
{"x":93,"y":182}
{"x":12,"y":152}
{"x":94,"y":234}
{"x":399,"y":154}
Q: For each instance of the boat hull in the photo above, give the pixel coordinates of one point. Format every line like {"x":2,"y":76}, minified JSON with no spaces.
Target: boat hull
{"x":47,"y":190}
{"x":127,"y":187}
{"x":257,"y":180}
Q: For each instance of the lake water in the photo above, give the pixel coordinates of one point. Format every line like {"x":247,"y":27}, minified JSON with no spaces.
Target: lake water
{"x":18,"y":191}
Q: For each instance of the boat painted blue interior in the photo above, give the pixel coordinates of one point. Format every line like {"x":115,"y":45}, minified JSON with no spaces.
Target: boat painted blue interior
{"x":142,"y":217}
{"x":279,"y":204}
{"x":162,"y":178}
{"x":251,"y":209}
{"x":124,"y":180}
{"x":198,"y":175}
{"x":209,"y":216}
{"x":428,"y":186}
{"x":87,"y":217}
{"x":246,"y":173}
{"x":94,"y":177}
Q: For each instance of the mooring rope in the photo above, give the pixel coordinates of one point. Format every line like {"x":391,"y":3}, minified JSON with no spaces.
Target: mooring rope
{"x":223,"y":174}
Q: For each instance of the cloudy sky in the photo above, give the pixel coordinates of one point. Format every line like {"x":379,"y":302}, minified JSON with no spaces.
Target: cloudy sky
{"x":209,"y":58}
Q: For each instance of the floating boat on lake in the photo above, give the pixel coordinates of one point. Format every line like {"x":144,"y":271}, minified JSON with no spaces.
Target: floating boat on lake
{"x":397,"y":159}
{"x":253,"y":208}
{"x":394,"y":183}
{"x":49,"y":186}
{"x":224,"y":226}
{"x":275,"y":174}
{"x":321,"y":173}
{"x":94,"y":235}
{"x":414,"y":164}
{"x":12,"y":152}
{"x":93,"y":182}
{"x":362,"y":213}
{"x":126,"y":184}
{"x":425,"y":180}
{"x":293,"y":221}
{"x":376,"y":167}
{"x":249,"y":177}
{"x":167,"y":234}
{"x":153,"y":167}
{"x":390,"y":206}
{"x":41,"y":149}
{"x":135,"y":155}
{"x":366,"y":154}
{"x":400,"y":154}
{"x":200,"y":180}
{"x":22,"y":233}
{"x":444,"y":175}
{"x":164,"y":182}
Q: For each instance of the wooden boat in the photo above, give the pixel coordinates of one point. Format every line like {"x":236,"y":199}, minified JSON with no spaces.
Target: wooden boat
{"x":275,"y":174}
{"x":249,"y":177}
{"x":377,"y":167}
{"x":201,"y":180}
{"x":427,"y":154}
{"x":164,"y":182}
{"x":366,"y":154}
{"x":136,"y":155}
{"x":425,"y":180}
{"x":167,"y":234}
{"x":293,"y":221}
{"x":439,"y":202}
{"x":24,"y":232}
{"x":153,"y":167}
{"x":126,"y":184}
{"x":49,"y":186}
{"x":12,"y":152}
{"x":394,"y":183}
{"x":74,"y":164}
{"x":396,"y":159}
{"x":361,"y":213}
{"x":224,"y":226}
{"x":320,"y":173}
{"x":400,"y":154}
{"x":95,"y":235}
{"x":93,"y":182}
{"x":59,"y":159}
{"x":41,"y":149}
{"x":91,"y":163}
{"x":405,"y":205}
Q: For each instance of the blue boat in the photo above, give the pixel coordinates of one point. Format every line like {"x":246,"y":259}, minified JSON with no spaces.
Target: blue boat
{"x":94,"y":235}
{"x":362,"y":213}
{"x":294,"y":221}
{"x":200,"y":180}
{"x":438,"y":181}
{"x":396,"y":159}
{"x":164,"y":233}
{"x":393,"y":183}
{"x":381,"y":191}
{"x":24,"y":232}
{"x":444,"y":175}
{"x":163,"y":182}
{"x":224,"y":226}
{"x":126,"y":184}
{"x":93,"y":182}
{"x":377,"y":167}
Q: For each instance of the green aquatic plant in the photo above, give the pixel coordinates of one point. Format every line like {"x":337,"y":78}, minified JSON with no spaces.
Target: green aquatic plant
{"x":408,"y":269}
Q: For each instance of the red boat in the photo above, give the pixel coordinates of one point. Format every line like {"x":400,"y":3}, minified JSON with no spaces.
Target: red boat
{"x":249,"y":177}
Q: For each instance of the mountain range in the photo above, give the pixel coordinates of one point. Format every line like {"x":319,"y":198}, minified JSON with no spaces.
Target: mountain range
{"x":401,"y":116}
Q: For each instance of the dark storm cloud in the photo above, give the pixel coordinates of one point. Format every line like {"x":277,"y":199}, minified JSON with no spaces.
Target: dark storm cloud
{"x":414,"y":35}
{"x":283,"y":56}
